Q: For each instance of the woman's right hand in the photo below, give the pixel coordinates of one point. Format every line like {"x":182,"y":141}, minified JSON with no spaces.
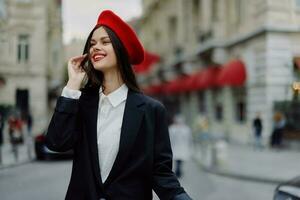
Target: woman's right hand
{"x":75,"y":72}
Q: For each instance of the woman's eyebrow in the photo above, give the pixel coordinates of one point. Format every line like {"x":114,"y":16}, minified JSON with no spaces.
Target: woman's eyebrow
{"x":101,"y":38}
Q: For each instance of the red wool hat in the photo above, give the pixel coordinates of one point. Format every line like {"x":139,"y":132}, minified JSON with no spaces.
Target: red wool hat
{"x":125,"y":33}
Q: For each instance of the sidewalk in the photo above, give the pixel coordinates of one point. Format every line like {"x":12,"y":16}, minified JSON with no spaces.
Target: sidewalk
{"x":244,"y":162}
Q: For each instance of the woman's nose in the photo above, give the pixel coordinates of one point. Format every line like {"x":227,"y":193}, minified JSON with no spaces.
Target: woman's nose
{"x":97,"y":47}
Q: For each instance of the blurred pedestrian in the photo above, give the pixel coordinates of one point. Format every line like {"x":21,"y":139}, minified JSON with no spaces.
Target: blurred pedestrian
{"x":15,"y":136}
{"x":181,"y":142}
{"x":258,"y":127}
{"x":19,"y":125}
{"x":120,"y":136}
{"x":279,"y":124}
{"x":204,"y":139}
{"x":201,"y":128}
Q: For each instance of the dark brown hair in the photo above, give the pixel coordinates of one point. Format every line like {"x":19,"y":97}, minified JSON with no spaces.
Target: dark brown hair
{"x":95,"y":77}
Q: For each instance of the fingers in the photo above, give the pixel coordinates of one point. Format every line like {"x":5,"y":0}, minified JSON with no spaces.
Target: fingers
{"x":78,"y":58}
{"x":76,"y":61}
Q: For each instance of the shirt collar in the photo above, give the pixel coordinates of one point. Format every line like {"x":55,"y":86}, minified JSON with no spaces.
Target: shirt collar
{"x":117,"y":96}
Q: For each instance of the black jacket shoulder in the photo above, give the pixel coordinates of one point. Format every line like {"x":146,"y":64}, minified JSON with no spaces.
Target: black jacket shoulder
{"x":151,"y":102}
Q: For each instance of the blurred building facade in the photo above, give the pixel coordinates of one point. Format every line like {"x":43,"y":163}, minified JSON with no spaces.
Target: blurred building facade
{"x":74,"y":48}
{"x":193,"y":36}
{"x":31,"y":55}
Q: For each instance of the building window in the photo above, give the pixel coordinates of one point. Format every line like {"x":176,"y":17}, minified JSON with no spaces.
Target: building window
{"x":240,"y":11}
{"x":2,"y":10}
{"x":23,"y":48}
{"x":22,"y":100}
{"x":240,"y":112}
{"x":196,"y":11}
{"x":196,"y":8}
{"x":239,"y":96}
{"x":214,"y":10}
{"x":202,"y":102}
{"x":297,"y":4}
{"x":173,"y":29}
{"x":219,"y":112}
{"x":217,"y":104}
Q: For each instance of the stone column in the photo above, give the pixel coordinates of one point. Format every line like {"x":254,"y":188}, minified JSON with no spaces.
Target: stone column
{"x":228,"y":112}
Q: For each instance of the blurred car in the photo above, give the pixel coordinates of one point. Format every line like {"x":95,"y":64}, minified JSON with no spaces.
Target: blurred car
{"x":289,"y":190}
{"x":43,"y":153}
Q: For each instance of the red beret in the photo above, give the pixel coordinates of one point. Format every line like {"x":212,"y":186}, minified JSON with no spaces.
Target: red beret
{"x":125,"y":33}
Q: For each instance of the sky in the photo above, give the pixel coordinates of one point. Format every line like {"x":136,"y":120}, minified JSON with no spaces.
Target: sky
{"x":79,"y":16}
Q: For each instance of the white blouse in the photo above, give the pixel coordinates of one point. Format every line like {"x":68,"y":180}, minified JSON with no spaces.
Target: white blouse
{"x":109,"y":122}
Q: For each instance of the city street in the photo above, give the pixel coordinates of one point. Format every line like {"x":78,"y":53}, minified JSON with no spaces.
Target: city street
{"x":220,"y":78}
{"x":48,"y":181}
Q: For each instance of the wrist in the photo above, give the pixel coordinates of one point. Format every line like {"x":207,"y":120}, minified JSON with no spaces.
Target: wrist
{"x":74,"y":85}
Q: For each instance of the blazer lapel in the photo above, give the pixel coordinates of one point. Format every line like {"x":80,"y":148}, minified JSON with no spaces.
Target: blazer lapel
{"x":91,"y":103}
{"x":132,"y":118}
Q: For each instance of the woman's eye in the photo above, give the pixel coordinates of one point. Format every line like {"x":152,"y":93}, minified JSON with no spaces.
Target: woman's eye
{"x":106,"y":42}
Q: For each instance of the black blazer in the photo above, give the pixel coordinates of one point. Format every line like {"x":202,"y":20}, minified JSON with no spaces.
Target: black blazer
{"x":144,"y":160}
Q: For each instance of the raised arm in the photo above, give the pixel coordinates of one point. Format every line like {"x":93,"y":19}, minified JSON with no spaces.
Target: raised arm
{"x":65,"y":125}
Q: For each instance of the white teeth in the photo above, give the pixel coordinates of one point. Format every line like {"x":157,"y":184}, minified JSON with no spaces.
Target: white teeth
{"x":98,"y":56}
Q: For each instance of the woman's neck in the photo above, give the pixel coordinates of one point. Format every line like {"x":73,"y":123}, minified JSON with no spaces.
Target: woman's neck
{"x":112,"y":81}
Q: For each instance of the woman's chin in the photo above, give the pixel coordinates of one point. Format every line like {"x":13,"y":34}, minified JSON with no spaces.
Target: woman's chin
{"x":102,"y":66}
{"x":99,"y":66}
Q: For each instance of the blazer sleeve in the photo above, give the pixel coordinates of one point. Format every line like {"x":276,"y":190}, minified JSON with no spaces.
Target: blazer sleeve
{"x":165,"y":183}
{"x":65,"y":126}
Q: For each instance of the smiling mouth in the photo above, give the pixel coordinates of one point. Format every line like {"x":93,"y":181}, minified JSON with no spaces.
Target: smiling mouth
{"x":98,"y":57}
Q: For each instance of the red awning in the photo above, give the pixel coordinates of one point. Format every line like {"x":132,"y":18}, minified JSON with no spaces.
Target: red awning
{"x":175,"y":86}
{"x":200,"y":80}
{"x":232,"y":74}
{"x":145,"y":66}
{"x":154,"y":89}
{"x":207,"y":78}
{"x":190,"y":82}
{"x":171,"y":87}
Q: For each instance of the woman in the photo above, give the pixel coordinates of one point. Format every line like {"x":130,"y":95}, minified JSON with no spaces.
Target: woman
{"x":119,"y":136}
